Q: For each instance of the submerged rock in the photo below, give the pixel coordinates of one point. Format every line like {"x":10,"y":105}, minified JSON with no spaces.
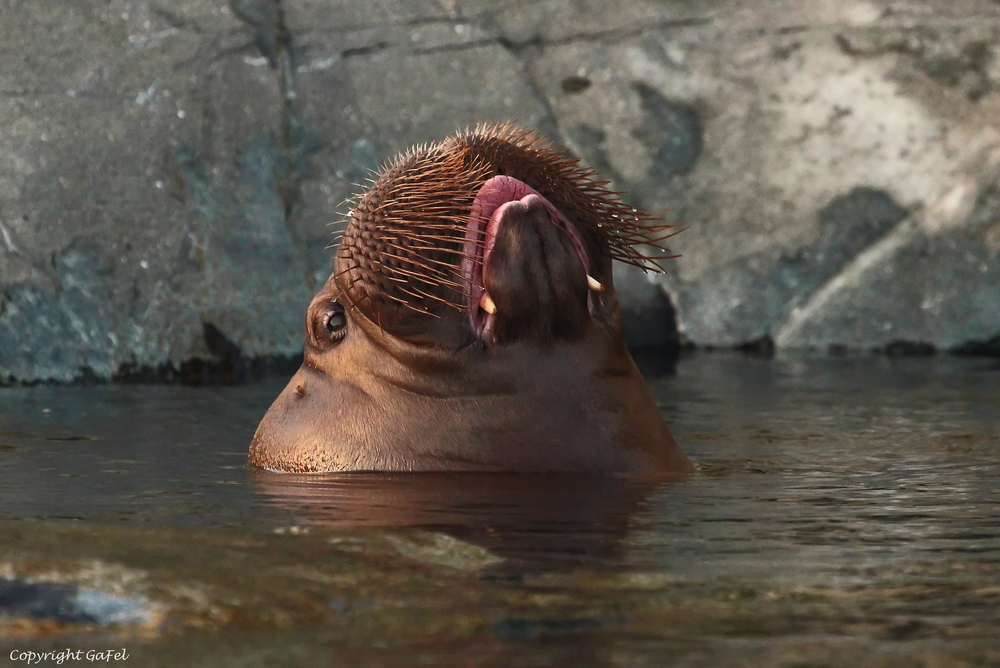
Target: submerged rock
{"x":41,"y":607}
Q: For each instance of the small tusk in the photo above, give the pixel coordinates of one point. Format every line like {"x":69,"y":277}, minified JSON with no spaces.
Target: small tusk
{"x":487,"y":304}
{"x":594,"y":284}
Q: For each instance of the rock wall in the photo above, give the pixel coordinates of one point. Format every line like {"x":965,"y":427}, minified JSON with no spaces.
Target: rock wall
{"x":169,"y":170}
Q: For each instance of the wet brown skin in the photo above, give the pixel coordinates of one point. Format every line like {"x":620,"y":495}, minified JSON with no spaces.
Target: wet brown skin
{"x":405,"y":371}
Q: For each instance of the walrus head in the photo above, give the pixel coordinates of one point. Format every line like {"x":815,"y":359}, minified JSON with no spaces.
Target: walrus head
{"x":471,"y":323}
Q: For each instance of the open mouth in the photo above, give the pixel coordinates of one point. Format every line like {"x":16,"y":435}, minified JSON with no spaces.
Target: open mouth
{"x":498,"y":199}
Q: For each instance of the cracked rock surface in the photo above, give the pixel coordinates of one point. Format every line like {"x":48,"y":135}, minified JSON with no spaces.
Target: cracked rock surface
{"x":169,"y":171}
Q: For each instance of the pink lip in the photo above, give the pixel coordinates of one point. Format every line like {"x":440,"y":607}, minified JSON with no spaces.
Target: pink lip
{"x":494,"y":197}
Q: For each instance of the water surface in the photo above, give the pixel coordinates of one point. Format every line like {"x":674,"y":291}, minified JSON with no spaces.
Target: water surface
{"x":846,"y":513}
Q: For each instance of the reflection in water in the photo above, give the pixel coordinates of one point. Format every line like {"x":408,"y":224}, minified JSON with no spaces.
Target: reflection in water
{"x":527,"y":524}
{"x":565,"y":519}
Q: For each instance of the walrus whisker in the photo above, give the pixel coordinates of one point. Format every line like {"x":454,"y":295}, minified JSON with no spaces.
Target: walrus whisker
{"x":407,"y":249}
{"x":436,"y":237}
{"x":478,"y":245}
{"x":458,"y":226}
{"x":436,"y":251}
{"x":448,"y":265}
{"x":420,"y":309}
{"x":416,"y":308}
{"x":418,"y":245}
{"x":434,"y":271}
{"x":402,"y":302}
{"x":433,"y":283}
{"x":433,"y":280}
{"x":396,"y":299}
{"x":414,"y":274}
{"x":342,"y":272}
{"x":411,"y":227}
{"x":433,"y":297}
{"x":649,"y":234}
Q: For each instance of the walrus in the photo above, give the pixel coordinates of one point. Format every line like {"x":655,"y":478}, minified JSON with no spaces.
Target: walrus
{"x":471,"y":324}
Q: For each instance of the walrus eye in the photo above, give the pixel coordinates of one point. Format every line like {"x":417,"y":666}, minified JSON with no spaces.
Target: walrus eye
{"x":332,"y":323}
{"x":334,"y":320}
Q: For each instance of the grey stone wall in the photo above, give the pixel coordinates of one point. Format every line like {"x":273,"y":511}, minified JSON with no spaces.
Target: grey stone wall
{"x":169,"y":170}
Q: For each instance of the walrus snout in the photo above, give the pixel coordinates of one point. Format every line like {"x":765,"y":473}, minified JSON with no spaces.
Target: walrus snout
{"x":309,"y":414}
{"x":283,"y":440}
{"x":417,"y":242}
{"x":535,"y":275}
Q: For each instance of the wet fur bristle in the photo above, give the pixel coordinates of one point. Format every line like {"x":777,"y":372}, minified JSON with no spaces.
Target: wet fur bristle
{"x":405,"y":236}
